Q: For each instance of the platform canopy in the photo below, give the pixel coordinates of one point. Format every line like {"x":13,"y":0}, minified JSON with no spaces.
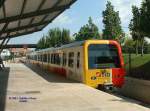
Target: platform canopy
{"x":21,"y":17}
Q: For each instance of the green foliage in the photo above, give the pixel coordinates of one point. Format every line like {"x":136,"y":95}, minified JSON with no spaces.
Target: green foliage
{"x":88,"y":31}
{"x":112,"y":24}
{"x":140,"y":24}
{"x":129,"y":43}
{"x":139,"y":66}
{"x":145,"y":17}
{"x":55,"y":38}
{"x":41,"y":43}
{"x":65,"y":36}
{"x":134,"y":25}
{"x":128,"y":46}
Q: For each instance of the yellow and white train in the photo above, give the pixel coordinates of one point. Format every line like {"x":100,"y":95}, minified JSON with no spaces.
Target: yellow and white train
{"x":93,"y":62}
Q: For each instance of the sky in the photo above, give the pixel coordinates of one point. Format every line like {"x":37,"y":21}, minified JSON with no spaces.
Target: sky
{"x":77,"y":16}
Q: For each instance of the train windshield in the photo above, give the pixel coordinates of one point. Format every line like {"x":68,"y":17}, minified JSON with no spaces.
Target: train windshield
{"x":103,"y":56}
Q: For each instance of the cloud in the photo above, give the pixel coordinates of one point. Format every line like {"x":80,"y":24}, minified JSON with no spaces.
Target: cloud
{"x":63,"y":20}
{"x":125,"y":9}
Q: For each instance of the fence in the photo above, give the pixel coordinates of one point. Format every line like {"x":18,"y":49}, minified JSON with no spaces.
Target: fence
{"x":137,"y":65}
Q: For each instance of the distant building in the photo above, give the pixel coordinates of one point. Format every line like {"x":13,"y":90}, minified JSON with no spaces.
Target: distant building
{"x":17,"y":52}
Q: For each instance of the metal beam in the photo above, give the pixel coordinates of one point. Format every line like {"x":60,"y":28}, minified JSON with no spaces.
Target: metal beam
{"x":4,"y":45}
{"x":4,"y":28}
{"x":56,"y":4}
{"x":4,"y":11}
{"x":20,"y":34}
{"x":1,"y":2}
{"x":7,"y":41}
{"x":33,"y":14}
{"x":45,"y":12}
{"x":1,"y":45}
{"x":20,"y":46}
{"x":24,"y":27}
{"x":39,"y":8}
{"x":22,"y":10}
{"x":55,"y":16}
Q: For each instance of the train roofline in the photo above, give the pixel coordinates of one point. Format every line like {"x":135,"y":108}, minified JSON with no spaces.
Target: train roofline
{"x":77,"y":43}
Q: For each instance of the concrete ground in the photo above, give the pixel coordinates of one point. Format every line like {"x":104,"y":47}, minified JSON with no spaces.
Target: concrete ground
{"x":29,"y":89}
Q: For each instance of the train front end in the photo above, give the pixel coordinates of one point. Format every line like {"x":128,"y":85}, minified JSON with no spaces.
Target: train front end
{"x":104,"y":64}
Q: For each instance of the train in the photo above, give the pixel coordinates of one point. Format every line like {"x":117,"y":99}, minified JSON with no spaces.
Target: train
{"x":96,"y":63}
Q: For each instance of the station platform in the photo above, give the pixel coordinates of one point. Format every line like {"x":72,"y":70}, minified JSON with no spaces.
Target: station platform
{"x":27,"y":88}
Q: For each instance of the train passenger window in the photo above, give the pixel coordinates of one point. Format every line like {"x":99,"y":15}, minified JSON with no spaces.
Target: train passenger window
{"x":71,"y":59}
{"x":56,"y":59}
{"x":78,"y":59}
{"x":52,"y":58}
{"x":41,"y":59}
{"x":45,"y":57}
{"x":49,"y":58}
{"x":59,"y":59}
{"x":38,"y":57}
{"x":64,"y":59}
{"x":35,"y":57}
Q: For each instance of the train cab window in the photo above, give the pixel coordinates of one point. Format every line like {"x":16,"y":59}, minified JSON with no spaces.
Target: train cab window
{"x":103,"y":56}
{"x":71,"y":59}
{"x":78,"y":59}
{"x":64,"y":59}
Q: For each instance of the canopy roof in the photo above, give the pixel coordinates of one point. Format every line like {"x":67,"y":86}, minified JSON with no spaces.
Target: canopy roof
{"x":21,"y":17}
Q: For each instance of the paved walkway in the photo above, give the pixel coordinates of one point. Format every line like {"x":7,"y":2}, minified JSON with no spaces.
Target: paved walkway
{"x":25,"y":89}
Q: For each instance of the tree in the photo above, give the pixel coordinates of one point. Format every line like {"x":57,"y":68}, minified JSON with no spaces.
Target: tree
{"x":88,"y":31}
{"x":112,"y":24}
{"x":129,"y":45}
{"x":134,"y":26}
{"x":140,"y":24}
{"x":41,"y":43}
{"x":65,"y":36}
{"x":145,"y":21}
{"x":55,"y":38}
{"x":145,"y":17}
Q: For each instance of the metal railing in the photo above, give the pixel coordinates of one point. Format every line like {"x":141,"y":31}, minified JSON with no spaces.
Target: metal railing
{"x":137,"y":65}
